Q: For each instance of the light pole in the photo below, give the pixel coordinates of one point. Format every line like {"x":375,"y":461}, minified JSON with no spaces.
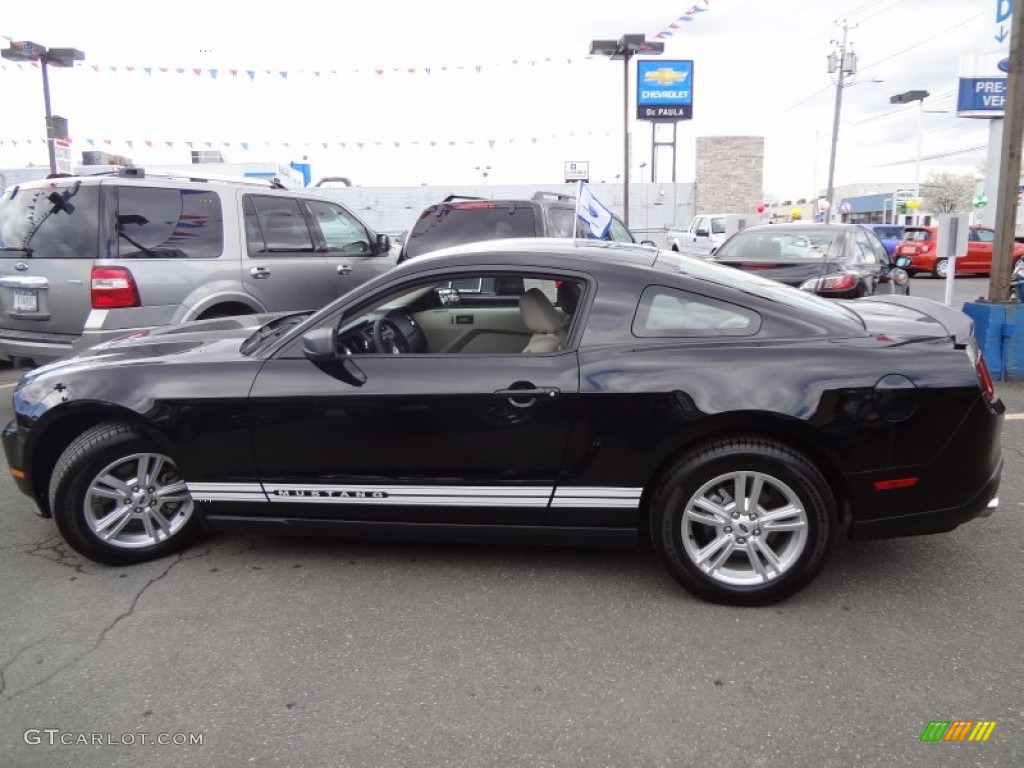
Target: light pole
{"x":905,"y":98}
{"x":625,"y":48}
{"x":845,"y":64}
{"x":25,"y":50}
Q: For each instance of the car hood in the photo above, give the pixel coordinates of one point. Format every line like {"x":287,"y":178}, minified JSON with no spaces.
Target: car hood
{"x":792,"y":272}
{"x":912,"y":317}
{"x":218,"y":338}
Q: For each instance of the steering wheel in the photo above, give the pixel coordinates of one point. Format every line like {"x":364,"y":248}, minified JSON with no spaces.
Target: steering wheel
{"x":388,"y":337}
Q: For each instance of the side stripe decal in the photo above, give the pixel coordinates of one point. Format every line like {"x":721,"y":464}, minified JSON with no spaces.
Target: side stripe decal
{"x":421,"y":495}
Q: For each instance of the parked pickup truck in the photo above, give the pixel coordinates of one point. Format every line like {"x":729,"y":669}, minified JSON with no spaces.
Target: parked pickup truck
{"x":705,"y":233}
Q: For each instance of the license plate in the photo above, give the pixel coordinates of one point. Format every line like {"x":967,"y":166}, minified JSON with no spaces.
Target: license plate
{"x":26,"y":301}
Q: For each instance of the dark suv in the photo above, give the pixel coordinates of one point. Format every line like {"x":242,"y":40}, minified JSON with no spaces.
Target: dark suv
{"x":457,"y":220}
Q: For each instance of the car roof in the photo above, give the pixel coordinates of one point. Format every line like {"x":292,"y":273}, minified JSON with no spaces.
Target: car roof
{"x":526,"y":251}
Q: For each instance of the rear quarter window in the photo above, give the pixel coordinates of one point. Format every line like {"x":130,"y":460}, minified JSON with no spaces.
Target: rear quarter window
{"x":671,"y":313}
{"x":156,"y":222}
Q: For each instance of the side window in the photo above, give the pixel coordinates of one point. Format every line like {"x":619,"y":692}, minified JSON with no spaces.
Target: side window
{"x":341,"y":231}
{"x":430,"y":317}
{"x":718,"y":225}
{"x":562,"y":222}
{"x":668,"y":312}
{"x":618,"y":232}
{"x":276,"y":225}
{"x":700,"y":223}
{"x":153,"y":222}
{"x":984,"y":235}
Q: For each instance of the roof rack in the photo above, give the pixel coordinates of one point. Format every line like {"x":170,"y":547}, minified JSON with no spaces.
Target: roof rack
{"x":461,"y":197}
{"x":132,"y":172}
{"x":542,"y":195}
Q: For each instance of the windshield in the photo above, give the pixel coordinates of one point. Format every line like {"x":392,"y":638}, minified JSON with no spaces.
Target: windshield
{"x":920,"y":235}
{"x":803,"y":301}
{"x":778,"y":243}
{"x":441,"y":226}
{"x":889,"y":233}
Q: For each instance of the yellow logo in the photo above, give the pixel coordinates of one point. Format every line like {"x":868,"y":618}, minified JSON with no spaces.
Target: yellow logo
{"x":664,"y":76}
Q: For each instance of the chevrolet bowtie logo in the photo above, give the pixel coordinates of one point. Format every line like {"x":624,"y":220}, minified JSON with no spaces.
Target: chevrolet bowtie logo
{"x":664,"y":76}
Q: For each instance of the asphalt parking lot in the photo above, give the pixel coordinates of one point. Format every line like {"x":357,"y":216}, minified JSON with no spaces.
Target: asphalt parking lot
{"x":312,"y":652}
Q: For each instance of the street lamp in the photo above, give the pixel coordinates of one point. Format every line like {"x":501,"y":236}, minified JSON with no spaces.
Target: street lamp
{"x":25,"y":50}
{"x":625,"y":48}
{"x":906,"y":98}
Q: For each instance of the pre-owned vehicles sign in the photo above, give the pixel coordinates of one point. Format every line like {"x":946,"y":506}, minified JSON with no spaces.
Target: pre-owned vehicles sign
{"x":664,"y":90}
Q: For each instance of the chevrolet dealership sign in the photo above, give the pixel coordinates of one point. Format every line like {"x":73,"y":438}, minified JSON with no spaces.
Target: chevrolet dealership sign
{"x":664,"y":90}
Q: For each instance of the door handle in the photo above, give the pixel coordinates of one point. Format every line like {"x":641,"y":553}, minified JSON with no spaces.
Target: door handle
{"x":526,"y":396}
{"x":259,"y":272}
{"x":344,"y":269}
{"x":535,"y":392}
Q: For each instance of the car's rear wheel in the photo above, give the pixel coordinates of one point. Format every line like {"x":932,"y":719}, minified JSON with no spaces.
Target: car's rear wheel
{"x":941,"y":268}
{"x":743,"y":521}
{"x":118,"y":500}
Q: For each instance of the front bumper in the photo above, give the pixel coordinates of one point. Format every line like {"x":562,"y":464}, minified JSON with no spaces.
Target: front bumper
{"x":14,"y":452}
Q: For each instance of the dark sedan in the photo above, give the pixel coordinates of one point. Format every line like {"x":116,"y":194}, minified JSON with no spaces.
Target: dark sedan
{"x":838,"y":261}
{"x":528,"y":390}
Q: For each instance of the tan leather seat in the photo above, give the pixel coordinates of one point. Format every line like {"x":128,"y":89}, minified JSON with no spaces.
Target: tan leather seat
{"x":543,"y":321}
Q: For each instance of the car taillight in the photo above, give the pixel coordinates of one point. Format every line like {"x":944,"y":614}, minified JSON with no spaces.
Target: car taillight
{"x":988,"y":389}
{"x":474,"y":205}
{"x":113,"y":287}
{"x":840,"y":281}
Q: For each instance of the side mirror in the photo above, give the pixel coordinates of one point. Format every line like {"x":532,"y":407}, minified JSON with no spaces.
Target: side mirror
{"x":318,"y":345}
{"x":449,"y":297}
{"x":701,"y":233}
{"x":383,"y":244}
{"x":899,"y":277}
{"x":903,"y":262}
{"x":651,"y":243}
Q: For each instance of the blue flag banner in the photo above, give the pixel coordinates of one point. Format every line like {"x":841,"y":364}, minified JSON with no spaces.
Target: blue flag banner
{"x":592,"y":212}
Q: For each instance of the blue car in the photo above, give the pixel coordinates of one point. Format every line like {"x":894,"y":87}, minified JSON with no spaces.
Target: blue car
{"x":889,"y":234}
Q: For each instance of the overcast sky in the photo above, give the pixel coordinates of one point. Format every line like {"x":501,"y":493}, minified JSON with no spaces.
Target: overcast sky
{"x":509,"y":86}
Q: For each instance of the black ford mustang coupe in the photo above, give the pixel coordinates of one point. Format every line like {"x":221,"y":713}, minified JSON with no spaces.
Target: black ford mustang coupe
{"x":525,"y":390}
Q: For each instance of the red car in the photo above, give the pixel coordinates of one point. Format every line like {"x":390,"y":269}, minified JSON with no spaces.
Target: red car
{"x":919,"y":243}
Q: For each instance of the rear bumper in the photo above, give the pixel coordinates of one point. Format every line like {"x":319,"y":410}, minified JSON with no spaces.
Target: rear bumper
{"x":47,"y":347}
{"x":982,"y":504}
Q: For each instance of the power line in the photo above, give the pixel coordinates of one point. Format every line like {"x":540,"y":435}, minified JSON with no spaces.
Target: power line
{"x":928,"y":40}
{"x":936,"y":156}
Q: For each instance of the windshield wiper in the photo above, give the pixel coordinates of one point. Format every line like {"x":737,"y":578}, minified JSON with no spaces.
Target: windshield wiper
{"x":27,"y":251}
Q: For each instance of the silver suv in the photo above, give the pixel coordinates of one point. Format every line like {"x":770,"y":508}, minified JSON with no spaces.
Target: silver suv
{"x":85,"y":260}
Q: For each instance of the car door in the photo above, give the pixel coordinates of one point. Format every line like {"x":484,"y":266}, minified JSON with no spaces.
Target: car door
{"x":426,"y":437}
{"x":350,"y":248}
{"x":979,"y":250}
{"x":283,"y":267}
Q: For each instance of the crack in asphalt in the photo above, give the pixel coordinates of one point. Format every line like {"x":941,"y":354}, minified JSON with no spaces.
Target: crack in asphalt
{"x":14,"y":658}
{"x":104,"y":632}
{"x":63,"y":556}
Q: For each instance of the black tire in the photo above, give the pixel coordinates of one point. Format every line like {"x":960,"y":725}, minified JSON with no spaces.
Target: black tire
{"x":109,"y":450}
{"x":788,"y":480}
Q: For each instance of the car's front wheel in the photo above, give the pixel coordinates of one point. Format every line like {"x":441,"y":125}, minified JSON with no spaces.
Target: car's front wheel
{"x":118,"y":500}
{"x":743,"y":521}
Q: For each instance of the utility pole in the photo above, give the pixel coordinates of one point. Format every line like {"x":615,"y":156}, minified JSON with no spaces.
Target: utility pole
{"x":1009,"y":164}
{"x":845,"y":64}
